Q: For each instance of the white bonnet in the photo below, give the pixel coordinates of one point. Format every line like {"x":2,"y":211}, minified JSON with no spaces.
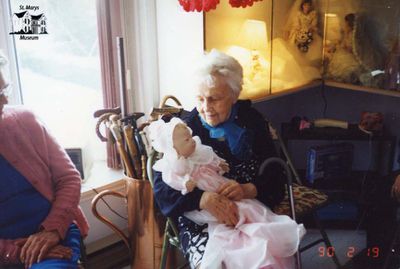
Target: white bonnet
{"x":160,"y":134}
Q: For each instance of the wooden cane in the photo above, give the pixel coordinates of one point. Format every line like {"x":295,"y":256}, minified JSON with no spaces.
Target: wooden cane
{"x":116,"y":131}
{"x":133,"y":151}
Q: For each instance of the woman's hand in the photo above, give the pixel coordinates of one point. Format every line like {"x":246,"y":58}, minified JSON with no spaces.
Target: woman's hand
{"x":223,"y":209}
{"x":231,"y":190}
{"x":236,"y":192}
{"x":37,"y":246}
{"x":56,"y":252}
{"x":396,"y":188}
{"x":59,"y":252}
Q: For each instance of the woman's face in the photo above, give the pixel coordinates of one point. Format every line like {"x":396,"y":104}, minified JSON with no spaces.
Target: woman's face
{"x":214,"y":104}
{"x":3,"y":98}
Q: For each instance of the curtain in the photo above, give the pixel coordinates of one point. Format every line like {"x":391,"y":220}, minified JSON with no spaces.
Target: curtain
{"x":109,"y":27}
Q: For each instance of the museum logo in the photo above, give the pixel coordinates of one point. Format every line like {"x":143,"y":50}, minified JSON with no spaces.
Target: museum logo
{"x":28,"y":25}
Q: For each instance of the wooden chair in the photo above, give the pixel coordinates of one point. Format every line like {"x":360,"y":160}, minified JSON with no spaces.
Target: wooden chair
{"x":171,"y":233}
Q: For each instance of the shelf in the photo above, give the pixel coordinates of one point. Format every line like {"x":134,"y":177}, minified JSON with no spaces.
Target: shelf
{"x":330,"y":83}
{"x":285,"y":92}
{"x":330,"y":133}
{"x":359,"y":88}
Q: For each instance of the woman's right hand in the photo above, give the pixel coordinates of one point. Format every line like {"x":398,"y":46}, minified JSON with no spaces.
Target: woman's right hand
{"x":223,"y":209}
{"x":56,"y":252}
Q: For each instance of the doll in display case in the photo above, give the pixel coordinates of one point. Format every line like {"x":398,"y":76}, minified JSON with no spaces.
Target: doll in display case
{"x":303,"y":30}
{"x":359,"y":57}
{"x":343,"y":65}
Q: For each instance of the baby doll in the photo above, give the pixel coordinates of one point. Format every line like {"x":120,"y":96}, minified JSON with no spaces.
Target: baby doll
{"x":261,"y":239}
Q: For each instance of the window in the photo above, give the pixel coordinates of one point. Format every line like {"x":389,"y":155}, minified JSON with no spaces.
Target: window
{"x":60,"y":73}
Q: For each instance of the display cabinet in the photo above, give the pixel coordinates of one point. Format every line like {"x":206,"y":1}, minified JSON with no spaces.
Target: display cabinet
{"x":361,"y":45}
{"x":284,"y":45}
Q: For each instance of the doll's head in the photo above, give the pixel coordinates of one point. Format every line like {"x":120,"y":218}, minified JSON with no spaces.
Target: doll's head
{"x":173,"y":138}
{"x":183,"y":141}
{"x":306,"y":6}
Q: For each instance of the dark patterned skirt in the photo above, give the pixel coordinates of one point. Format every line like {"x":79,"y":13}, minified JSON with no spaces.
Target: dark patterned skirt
{"x":193,"y":239}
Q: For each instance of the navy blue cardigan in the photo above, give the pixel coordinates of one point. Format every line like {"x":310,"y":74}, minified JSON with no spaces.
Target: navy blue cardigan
{"x":270,"y":187}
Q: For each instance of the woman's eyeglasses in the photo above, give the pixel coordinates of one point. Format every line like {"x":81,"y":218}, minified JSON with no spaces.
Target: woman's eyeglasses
{"x":6,"y":90}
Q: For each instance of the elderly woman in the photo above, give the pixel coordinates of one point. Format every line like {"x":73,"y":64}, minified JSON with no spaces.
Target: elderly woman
{"x":238,"y":134}
{"x":40,"y":222}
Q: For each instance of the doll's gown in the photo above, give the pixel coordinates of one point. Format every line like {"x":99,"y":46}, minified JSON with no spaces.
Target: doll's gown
{"x":303,"y":23}
{"x":261,"y":239}
{"x":344,"y":66}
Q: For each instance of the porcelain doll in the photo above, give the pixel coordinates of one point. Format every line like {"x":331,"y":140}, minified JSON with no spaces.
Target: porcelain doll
{"x":261,"y":239}
{"x":343,"y":65}
{"x":304,"y":31}
{"x":360,"y":55}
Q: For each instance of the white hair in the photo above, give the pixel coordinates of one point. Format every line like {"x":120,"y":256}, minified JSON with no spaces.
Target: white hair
{"x":216,"y":64}
{"x":3,"y":59}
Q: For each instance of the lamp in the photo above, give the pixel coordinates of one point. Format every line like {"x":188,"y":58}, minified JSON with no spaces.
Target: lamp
{"x":253,"y":36}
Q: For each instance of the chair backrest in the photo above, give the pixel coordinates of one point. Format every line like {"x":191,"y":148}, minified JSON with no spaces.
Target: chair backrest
{"x":152,"y":158}
{"x":289,"y":182}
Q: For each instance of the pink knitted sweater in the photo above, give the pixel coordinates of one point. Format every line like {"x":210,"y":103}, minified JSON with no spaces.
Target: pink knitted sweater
{"x":26,"y":144}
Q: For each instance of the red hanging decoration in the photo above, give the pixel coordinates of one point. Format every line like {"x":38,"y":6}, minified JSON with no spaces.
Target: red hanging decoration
{"x":198,"y":5}
{"x":242,"y":3}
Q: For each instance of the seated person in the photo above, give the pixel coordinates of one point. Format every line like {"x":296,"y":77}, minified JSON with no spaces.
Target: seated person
{"x":41,"y":222}
{"x":237,"y":133}
{"x":260,"y":239}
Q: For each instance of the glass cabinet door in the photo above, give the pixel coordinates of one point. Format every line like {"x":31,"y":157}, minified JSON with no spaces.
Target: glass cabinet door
{"x":286,"y":44}
{"x":362,"y":43}
{"x":244,"y":33}
{"x":278,"y":43}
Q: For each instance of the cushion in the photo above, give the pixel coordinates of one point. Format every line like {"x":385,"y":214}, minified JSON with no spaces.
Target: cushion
{"x":305,"y":200}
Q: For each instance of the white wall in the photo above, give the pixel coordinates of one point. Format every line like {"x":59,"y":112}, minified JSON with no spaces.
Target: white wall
{"x":140,"y":36}
{"x":180,"y":42}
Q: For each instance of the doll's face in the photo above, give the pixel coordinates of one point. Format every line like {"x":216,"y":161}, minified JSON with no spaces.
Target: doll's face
{"x":306,"y":8}
{"x":183,"y":141}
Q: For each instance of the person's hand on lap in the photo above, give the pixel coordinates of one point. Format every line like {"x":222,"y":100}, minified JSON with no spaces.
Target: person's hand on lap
{"x":223,"y":209}
{"x":37,"y":246}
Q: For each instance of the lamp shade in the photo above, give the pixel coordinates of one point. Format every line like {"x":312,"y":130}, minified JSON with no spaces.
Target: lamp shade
{"x":253,"y":35}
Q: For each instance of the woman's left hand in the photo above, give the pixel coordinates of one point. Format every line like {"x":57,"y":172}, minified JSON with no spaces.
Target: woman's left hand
{"x":235,"y":191}
{"x":231,"y":190}
{"x":37,"y":246}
